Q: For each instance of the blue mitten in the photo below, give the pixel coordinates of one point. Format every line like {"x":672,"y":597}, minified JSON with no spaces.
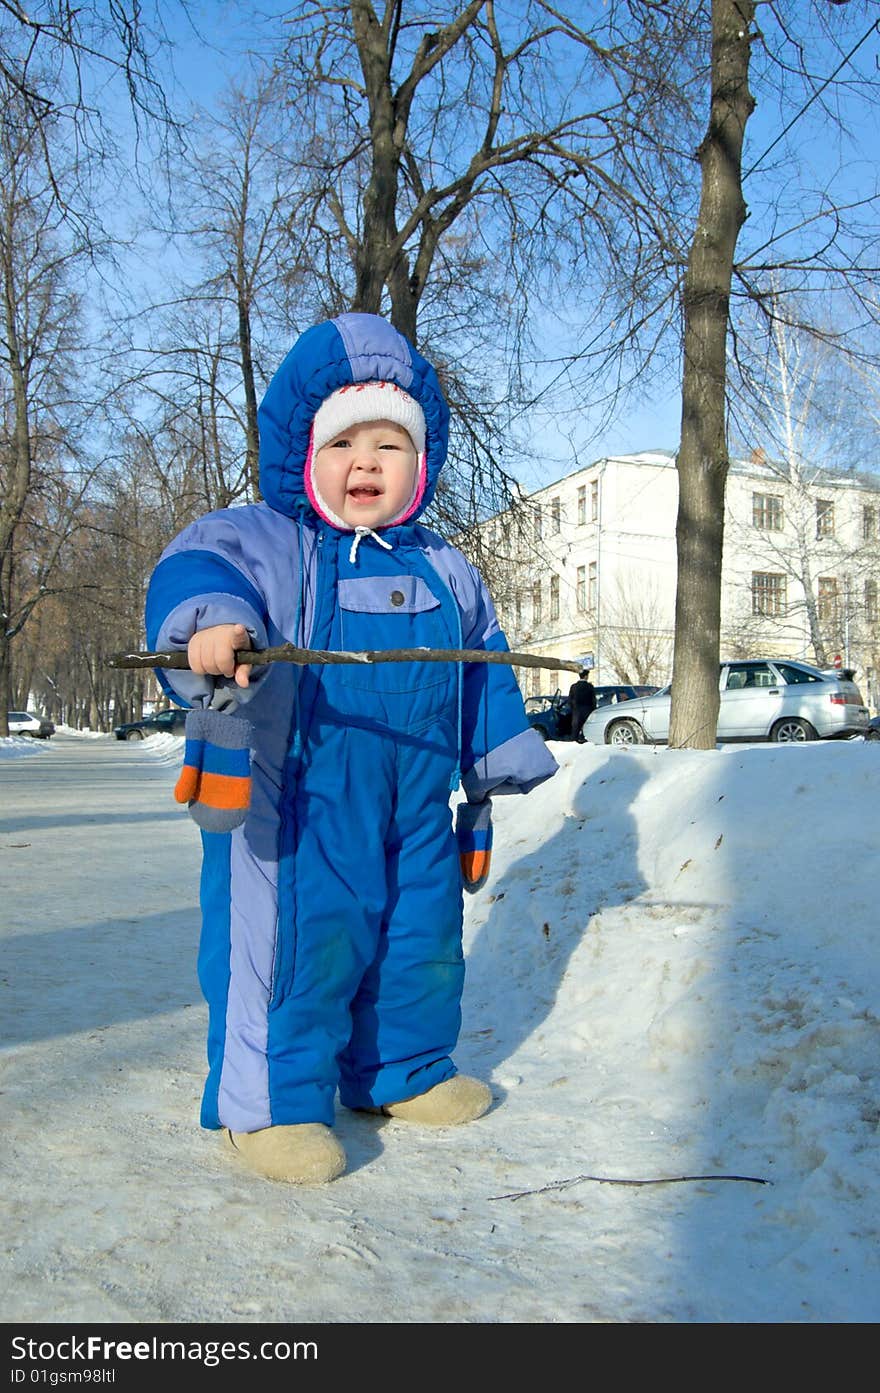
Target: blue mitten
{"x":473,"y":832}
{"x":216,"y":777}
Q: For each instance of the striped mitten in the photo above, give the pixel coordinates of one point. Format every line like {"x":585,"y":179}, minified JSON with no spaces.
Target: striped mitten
{"x":216,"y":776}
{"x":473,"y":832}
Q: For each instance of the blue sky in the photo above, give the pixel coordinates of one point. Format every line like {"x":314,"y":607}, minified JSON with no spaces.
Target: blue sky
{"x":225,"y":29}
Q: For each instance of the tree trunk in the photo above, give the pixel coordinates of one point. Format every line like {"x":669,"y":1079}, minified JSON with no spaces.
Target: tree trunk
{"x":251,"y":427}
{"x":703,"y":459}
{"x":5,"y":682}
{"x":817,"y":638}
{"x":12,"y":505}
{"x":245,"y":350}
{"x":374,"y":255}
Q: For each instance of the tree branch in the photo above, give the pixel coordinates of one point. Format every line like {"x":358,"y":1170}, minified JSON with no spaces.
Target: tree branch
{"x":306,"y":657}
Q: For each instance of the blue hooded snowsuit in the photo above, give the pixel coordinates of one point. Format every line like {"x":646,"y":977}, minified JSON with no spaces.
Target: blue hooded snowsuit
{"x":330,"y":954}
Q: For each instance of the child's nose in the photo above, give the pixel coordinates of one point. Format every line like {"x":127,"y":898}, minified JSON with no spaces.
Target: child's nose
{"x":366,"y":458}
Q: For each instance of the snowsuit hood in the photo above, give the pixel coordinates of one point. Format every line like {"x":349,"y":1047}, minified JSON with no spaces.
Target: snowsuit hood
{"x":348,"y":349}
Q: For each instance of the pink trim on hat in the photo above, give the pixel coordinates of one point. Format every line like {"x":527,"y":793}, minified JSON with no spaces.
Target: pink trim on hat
{"x":309,"y":484}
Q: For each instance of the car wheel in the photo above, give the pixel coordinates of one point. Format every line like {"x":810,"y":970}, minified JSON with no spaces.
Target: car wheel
{"x":542,"y":731}
{"x":624,"y":733}
{"x":872,"y":734}
{"x":135,"y":735}
{"x":792,"y":730}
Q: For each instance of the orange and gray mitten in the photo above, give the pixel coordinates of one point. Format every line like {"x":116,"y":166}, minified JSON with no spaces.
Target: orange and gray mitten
{"x":473,"y":832}
{"x":216,"y":776}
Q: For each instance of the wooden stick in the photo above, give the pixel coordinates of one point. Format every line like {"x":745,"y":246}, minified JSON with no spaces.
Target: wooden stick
{"x":613,"y":1180}
{"x":306,"y":657}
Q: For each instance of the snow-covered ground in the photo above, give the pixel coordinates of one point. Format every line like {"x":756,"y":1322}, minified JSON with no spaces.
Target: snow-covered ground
{"x":673,"y":987}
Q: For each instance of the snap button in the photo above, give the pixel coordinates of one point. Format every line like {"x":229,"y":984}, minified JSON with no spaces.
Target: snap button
{"x":397,"y":597}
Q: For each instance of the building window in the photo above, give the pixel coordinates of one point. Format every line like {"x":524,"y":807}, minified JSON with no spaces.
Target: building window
{"x":554,"y":597}
{"x":767,"y":512}
{"x":555,"y":515}
{"x":827,"y":598}
{"x":554,"y":681}
{"x":594,"y":500}
{"x":824,"y":517}
{"x":535,"y":681}
{"x":769,"y":595}
{"x":593,"y":585}
{"x":536,"y":603}
{"x":869,"y":524}
{"x":871,"y":601}
{"x":581,"y":588}
{"x":582,"y":505}
{"x":538,"y":525}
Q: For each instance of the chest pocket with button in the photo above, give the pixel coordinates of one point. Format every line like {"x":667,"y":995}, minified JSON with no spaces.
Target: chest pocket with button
{"x":397,"y":611}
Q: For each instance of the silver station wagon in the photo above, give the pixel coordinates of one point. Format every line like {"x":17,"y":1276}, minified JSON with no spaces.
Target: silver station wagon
{"x":767,"y":699}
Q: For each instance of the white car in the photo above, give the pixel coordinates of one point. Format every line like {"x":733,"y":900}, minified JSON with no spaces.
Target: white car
{"x":23,"y":723}
{"x":767,"y":699}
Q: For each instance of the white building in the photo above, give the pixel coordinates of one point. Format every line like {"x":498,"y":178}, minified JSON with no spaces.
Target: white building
{"x":590,"y":568}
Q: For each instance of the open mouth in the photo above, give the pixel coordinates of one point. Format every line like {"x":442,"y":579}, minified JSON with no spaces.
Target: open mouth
{"x":364,"y":493}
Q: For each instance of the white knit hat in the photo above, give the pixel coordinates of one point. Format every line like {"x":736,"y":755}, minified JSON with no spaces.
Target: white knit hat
{"x":368,"y":401}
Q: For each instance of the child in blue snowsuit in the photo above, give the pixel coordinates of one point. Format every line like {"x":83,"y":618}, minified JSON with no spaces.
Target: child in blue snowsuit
{"x":331,"y":892}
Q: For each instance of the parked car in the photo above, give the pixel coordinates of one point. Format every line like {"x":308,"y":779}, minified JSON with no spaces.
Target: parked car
{"x":873,"y":731}
{"x":551,"y":715}
{"x":25,"y":723}
{"x":170,"y":722}
{"x":762,"y":699}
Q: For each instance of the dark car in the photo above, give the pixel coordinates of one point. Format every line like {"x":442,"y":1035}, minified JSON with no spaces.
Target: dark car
{"x":873,"y":731}
{"x":551,"y":715}
{"x":170,"y":722}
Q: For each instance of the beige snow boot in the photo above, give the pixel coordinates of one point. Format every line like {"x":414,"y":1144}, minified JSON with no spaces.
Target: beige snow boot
{"x":304,"y":1154}
{"x":456,"y":1100}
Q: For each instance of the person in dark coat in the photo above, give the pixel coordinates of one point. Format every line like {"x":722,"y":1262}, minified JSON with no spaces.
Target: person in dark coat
{"x":582,"y":695}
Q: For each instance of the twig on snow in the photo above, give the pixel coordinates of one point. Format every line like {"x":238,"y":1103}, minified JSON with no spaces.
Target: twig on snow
{"x":615,"y":1180}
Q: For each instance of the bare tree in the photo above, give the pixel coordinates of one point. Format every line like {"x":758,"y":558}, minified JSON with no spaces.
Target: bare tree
{"x":184,"y":388}
{"x":58,"y":59}
{"x":248,"y":221}
{"x":702,"y":460}
{"x":205,"y":353}
{"x":637,"y":635}
{"x":43,"y":481}
{"x":813,"y":240}
{"x":57,"y":63}
{"x":463,"y":168}
{"x":468,"y":170}
{"x":802,"y":535}
{"x":149,"y":490}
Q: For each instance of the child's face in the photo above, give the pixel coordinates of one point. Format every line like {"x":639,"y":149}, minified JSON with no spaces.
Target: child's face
{"x":367,"y":474}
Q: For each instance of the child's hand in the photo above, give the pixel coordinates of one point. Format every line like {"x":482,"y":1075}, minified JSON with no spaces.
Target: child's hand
{"x":213,"y":651}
